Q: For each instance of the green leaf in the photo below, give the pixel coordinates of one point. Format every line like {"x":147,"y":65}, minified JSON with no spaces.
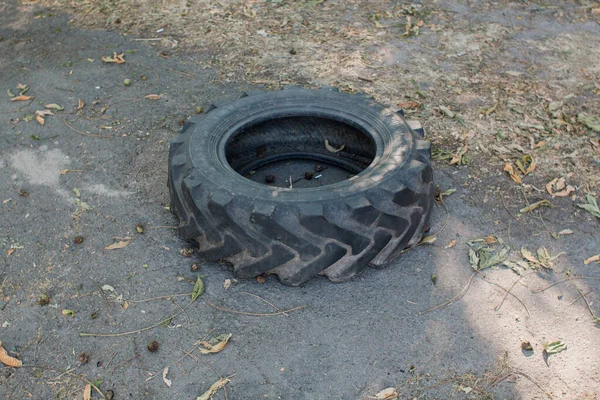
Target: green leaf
{"x":198,"y":289}
{"x":544,"y":257}
{"x":10,"y":93}
{"x":96,"y":383}
{"x":592,"y":205}
{"x":473,"y":259}
{"x":495,"y":258}
{"x":554,"y":347}
{"x":166,"y":322}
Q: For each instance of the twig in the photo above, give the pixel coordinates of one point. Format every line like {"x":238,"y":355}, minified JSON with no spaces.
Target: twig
{"x":506,"y":208}
{"x":512,"y":294}
{"x":160,"y":297}
{"x":125,"y":361}
{"x":266,"y":301}
{"x":594,"y":316}
{"x":85,"y":133}
{"x":445,"y":222}
{"x":85,"y":334}
{"x":586,"y":293}
{"x":67,"y":372}
{"x":450,"y":301}
{"x":109,"y":361}
{"x":497,"y":307}
{"x":163,"y":226}
{"x":251,"y":313}
{"x":534,"y":382}
{"x":564,"y":280}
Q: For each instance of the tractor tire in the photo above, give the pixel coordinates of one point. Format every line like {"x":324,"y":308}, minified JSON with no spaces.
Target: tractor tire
{"x":368,"y":198}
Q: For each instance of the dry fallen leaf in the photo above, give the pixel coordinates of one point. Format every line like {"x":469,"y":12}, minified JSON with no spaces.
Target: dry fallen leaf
{"x":213,"y":389}
{"x":80,"y":104}
{"x":558,"y":187}
{"x":565,"y":232}
{"x":332,"y":149}
{"x":451,"y":244}
{"x":87,"y":392}
{"x":409,"y":104}
{"x":387,"y":394}
{"x":457,"y":158}
{"x":511,"y":171}
{"x":527,"y":165}
{"x":39,"y":119}
{"x":8,"y":360}
{"x":528,"y":256}
{"x":118,"y":245}
{"x":43,"y":113}
{"x":21,"y":86}
{"x":10,"y":251}
{"x":227,"y":283}
{"x":164,"y":377}
{"x":116,"y":58}
{"x":592,"y":259}
{"x":153,"y":96}
{"x":261,"y":279}
{"x":21,"y":98}
{"x":215,"y":345}
{"x":428,"y":239}
{"x":531,"y":207}
{"x":54,"y":106}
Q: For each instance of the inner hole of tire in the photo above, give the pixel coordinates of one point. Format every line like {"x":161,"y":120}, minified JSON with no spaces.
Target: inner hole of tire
{"x":309,"y":151}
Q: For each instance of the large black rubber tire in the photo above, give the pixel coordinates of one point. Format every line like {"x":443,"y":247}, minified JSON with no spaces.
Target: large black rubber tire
{"x":334,"y":230}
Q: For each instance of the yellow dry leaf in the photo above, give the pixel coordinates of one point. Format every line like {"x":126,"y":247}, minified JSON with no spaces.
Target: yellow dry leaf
{"x":490,"y":239}
{"x":213,"y":389}
{"x":332,"y":149}
{"x":39,"y":119}
{"x":43,"y":113}
{"x":21,"y":86}
{"x":118,"y":245}
{"x":558,"y":188}
{"x":457,"y":158}
{"x":10,"y":251}
{"x":451,"y":244}
{"x":209,"y":348}
{"x":387,"y":394}
{"x":592,"y":259}
{"x":80,"y":104}
{"x":227,"y":283}
{"x":511,"y":171}
{"x":153,"y":96}
{"x":428,"y":239}
{"x":21,"y":98}
{"x":532,"y":164}
{"x":87,"y":392}
{"x":531,"y":207}
{"x":8,"y":360}
{"x":116,"y":58}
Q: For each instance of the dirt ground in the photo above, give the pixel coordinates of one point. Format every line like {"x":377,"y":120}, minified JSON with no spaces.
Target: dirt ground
{"x":495,"y":84}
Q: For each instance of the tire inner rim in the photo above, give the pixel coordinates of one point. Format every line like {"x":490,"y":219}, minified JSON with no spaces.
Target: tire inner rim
{"x":300,"y":152}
